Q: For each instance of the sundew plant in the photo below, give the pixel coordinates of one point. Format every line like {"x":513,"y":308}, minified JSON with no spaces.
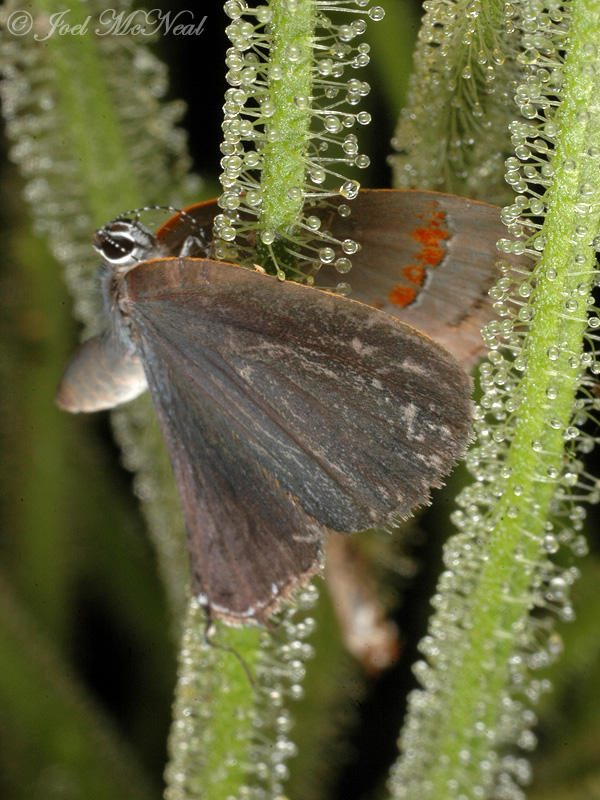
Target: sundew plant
{"x":485,"y":643}
{"x":290,"y":128}
{"x":503,"y":106}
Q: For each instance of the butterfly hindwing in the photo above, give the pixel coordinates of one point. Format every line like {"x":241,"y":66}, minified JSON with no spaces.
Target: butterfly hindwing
{"x":427,"y":258}
{"x":100,"y":375}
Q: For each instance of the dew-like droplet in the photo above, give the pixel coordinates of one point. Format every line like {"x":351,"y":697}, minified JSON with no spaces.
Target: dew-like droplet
{"x":349,"y":189}
{"x":326,"y":255}
{"x":343,"y":265}
{"x":376,"y":13}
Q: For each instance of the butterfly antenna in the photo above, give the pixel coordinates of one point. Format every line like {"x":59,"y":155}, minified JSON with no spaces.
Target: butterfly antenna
{"x":138,"y":211}
{"x":209,"y":631}
{"x":173,"y":209}
{"x":194,"y":222}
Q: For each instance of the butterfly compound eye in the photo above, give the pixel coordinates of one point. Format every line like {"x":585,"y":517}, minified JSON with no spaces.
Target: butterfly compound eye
{"x":124,"y":243}
{"x":113,"y":248}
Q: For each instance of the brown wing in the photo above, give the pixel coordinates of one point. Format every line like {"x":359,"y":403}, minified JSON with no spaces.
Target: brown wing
{"x":249,"y":540}
{"x":175,"y":231}
{"x":101,"y":374}
{"x":428,"y":259}
{"x":282,"y":405}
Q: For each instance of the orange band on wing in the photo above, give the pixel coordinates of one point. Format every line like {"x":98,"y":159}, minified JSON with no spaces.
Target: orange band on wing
{"x":430,"y":237}
{"x":402,"y":295}
{"x":414,"y":273}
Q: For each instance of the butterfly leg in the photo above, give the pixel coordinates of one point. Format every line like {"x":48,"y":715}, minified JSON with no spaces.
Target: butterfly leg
{"x":194,"y":246}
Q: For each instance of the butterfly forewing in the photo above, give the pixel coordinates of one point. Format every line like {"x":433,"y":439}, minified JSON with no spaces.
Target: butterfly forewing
{"x":283,"y":405}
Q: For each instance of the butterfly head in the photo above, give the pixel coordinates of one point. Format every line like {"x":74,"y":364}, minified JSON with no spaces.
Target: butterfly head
{"x":125,"y":242}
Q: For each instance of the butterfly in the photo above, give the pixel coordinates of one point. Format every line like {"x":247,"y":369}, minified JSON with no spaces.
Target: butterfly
{"x":289,"y":411}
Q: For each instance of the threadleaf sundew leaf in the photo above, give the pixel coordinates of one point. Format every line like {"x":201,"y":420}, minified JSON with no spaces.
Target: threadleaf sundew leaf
{"x":529,"y":477}
{"x":205,"y":761}
{"x":452,"y":135}
{"x":289,"y":131}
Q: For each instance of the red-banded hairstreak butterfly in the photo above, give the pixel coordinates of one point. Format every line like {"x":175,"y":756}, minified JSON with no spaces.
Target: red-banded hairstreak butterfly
{"x":289,"y":411}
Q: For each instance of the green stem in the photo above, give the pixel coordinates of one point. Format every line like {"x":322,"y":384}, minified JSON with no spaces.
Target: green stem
{"x":212,"y":713}
{"x":452,"y":136}
{"x":546,"y":394}
{"x":287,"y":132}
